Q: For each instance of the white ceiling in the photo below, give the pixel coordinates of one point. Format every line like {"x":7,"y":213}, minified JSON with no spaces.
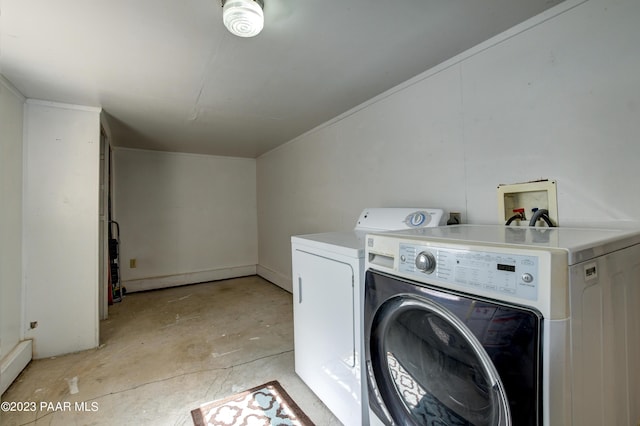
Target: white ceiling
{"x":170,"y":77}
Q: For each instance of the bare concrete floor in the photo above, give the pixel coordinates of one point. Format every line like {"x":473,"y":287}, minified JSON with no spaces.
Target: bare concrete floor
{"x":164,"y":353}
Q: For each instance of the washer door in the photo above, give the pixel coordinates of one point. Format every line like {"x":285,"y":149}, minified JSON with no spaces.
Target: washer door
{"x":428,"y":368}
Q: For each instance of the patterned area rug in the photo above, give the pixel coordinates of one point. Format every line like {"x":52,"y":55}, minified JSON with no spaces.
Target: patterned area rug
{"x":264,"y":405}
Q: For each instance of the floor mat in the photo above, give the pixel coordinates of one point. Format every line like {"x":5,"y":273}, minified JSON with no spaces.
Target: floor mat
{"x":264,"y":405}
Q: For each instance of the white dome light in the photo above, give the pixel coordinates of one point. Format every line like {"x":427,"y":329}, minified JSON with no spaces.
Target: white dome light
{"x":243,"y":18}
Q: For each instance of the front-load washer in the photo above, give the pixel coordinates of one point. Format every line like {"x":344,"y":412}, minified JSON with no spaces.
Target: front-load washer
{"x":494,"y":325}
{"x":328,"y":277}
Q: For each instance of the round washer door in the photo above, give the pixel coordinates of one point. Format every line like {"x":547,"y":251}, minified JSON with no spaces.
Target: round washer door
{"x":428,"y":368}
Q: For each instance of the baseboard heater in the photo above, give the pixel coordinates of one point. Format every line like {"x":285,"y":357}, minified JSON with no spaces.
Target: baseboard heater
{"x":14,"y":362}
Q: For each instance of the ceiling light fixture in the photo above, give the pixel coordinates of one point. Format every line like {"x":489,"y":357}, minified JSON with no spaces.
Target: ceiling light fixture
{"x":243,"y":18}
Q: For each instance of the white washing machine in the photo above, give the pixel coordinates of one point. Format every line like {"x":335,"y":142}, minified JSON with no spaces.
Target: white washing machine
{"x":328,"y":273}
{"x":493,"y":325}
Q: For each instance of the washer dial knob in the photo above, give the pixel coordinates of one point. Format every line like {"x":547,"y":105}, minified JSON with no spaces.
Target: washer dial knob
{"x":425,"y":262}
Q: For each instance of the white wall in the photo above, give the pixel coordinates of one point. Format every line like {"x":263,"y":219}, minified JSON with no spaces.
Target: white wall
{"x":557,"y":97}
{"x":61,"y":226}
{"x":11,"y":304}
{"x":185,"y":218}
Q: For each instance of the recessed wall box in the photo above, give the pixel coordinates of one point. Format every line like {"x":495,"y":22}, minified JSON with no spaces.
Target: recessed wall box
{"x":528,"y":196}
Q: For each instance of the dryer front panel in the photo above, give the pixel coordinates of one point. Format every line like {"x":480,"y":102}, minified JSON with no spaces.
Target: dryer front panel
{"x":436,"y":357}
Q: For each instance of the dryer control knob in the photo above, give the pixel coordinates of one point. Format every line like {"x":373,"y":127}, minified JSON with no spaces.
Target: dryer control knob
{"x":425,"y":262}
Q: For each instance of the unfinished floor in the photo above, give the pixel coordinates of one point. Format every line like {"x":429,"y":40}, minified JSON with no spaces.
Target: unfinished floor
{"x":165,"y":352}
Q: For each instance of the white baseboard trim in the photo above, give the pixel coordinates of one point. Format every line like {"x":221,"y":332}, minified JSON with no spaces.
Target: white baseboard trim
{"x":275,"y":277}
{"x":14,"y":362}
{"x":154,"y":283}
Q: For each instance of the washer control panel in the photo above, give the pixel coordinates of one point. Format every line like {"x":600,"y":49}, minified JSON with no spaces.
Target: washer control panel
{"x":513,"y":274}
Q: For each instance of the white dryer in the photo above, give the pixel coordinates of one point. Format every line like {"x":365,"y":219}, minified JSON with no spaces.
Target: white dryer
{"x":328,"y":278}
{"x":493,"y":325}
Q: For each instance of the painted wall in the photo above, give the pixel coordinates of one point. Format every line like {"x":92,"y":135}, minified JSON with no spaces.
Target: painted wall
{"x":556,"y":97}
{"x":11,"y":304}
{"x":61,"y":226}
{"x":184,"y":218}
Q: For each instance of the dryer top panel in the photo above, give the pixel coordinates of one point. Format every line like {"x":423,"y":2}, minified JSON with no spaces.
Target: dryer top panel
{"x":347,"y":243}
{"x":351,"y":243}
{"x":383,"y":219}
{"x":582,"y":244}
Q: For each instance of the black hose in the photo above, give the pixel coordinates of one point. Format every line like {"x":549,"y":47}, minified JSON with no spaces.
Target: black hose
{"x":547,"y":219}
{"x":514,"y":217}
{"x":541,"y":214}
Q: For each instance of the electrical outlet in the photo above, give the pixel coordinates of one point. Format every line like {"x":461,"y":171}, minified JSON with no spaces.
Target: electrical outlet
{"x":132,"y":263}
{"x":455,"y":218}
{"x":528,"y":196}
